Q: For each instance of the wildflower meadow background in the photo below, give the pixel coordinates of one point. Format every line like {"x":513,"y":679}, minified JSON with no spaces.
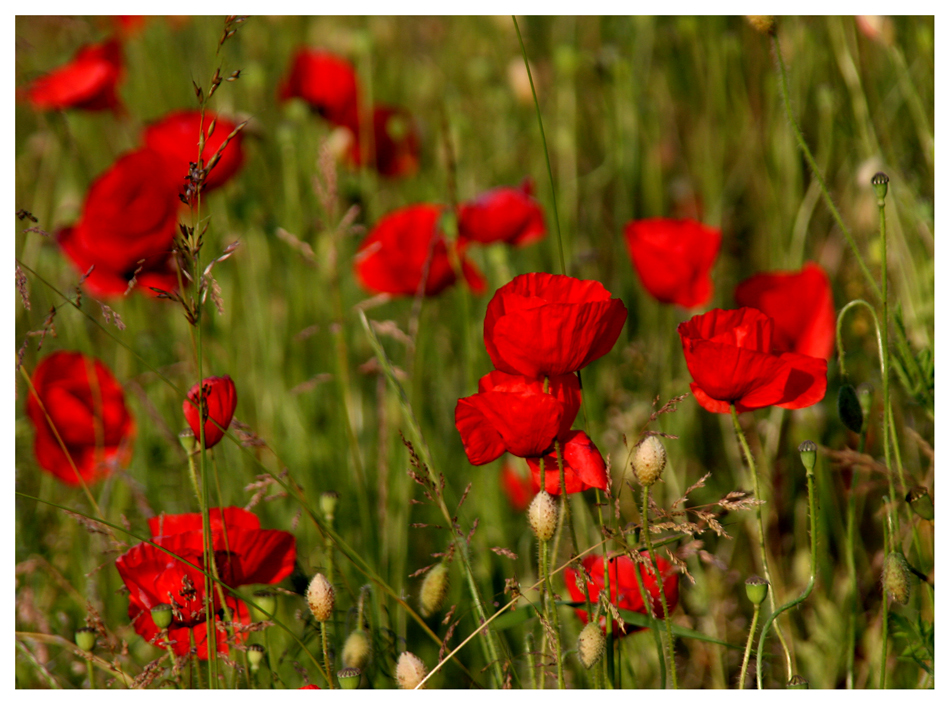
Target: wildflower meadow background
{"x":310,"y":309}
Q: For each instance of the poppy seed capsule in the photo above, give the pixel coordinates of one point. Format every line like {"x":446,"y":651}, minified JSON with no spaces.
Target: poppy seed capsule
{"x":409,"y":670}
{"x":896,"y":577}
{"x":756,"y":589}
{"x":809,"y":452}
{"x":590,"y":645}
{"x":796,"y":682}
{"x":349,"y":678}
{"x":328,"y":501}
{"x":320,"y":597}
{"x":433,"y":591}
{"x":86,"y":638}
{"x":266,"y":604}
{"x":649,"y":459}
{"x":357,"y":650}
{"x":921,"y":502}
{"x":542,"y":515}
{"x":255,"y":654}
{"x":162,"y":615}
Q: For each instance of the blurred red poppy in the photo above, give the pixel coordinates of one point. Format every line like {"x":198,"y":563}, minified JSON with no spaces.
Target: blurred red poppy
{"x":673,"y":259}
{"x":514,"y":414}
{"x":127,"y":226}
{"x":549,"y":324}
{"x":87,"y":406}
{"x":395,"y":142}
{"x":517,"y":487}
{"x":800,"y":305}
{"x":503,"y":214}
{"x":326,"y":82}
{"x":584,"y":466}
{"x":393,"y":255}
{"x":128,"y":25}
{"x":309,"y":687}
{"x":88,"y":81}
{"x":624,"y":589}
{"x":244,"y":554}
{"x":220,"y":401}
{"x":175,"y":137}
{"x":730,"y":356}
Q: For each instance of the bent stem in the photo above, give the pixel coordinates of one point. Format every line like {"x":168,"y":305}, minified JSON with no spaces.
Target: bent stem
{"x":761,"y":521}
{"x":748,"y":647}
{"x":659,"y":583}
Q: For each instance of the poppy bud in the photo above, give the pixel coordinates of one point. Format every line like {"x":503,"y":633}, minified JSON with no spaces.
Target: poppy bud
{"x":357,"y":650}
{"x":542,"y":515}
{"x":255,"y":654}
{"x":649,"y":459}
{"x":762,"y":23}
{"x":162,"y":615}
{"x":409,"y":670}
{"x":434,"y":587}
{"x":328,"y":501}
{"x":849,"y":409}
{"x":756,"y":589}
{"x":349,"y":678}
{"x":921,"y":502}
{"x":809,"y":452}
{"x":590,"y":644}
{"x":896,"y":577}
{"x":266,"y":602}
{"x":86,"y":638}
{"x":865,"y":396}
{"x":320,"y":597}
{"x":879,"y":182}
{"x":796,"y":682}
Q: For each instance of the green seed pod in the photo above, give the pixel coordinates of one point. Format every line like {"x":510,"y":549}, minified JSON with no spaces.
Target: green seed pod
{"x":187,"y":440}
{"x":896,"y":577}
{"x":921,"y":502}
{"x":756,"y":589}
{"x":797,"y":683}
{"x":357,"y":650}
{"x":434,"y":588}
{"x":266,"y":602}
{"x":649,"y":459}
{"x":809,"y":452}
{"x":328,"y":502}
{"x":320,"y":598}
{"x":849,"y":409}
{"x":542,"y":515}
{"x":86,"y":638}
{"x":255,"y":654}
{"x":879,"y":182}
{"x":349,"y":678}
{"x":409,"y":671}
{"x":162,"y":616}
{"x":590,"y":645}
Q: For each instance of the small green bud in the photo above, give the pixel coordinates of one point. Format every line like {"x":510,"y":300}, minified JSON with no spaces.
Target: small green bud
{"x":865,"y":397}
{"x":809,"y":451}
{"x":756,"y":589}
{"x":849,"y":409}
{"x":86,"y":638}
{"x":349,"y":678}
{"x":255,"y":654}
{"x":896,"y":577}
{"x":357,"y":650}
{"x":409,"y":670}
{"x":649,"y":459}
{"x":879,"y":182}
{"x":328,"y":502}
{"x":798,"y":683}
{"x":921,"y":502}
{"x":434,"y":588}
{"x":266,"y":602}
{"x":542,"y":515}
{"x":320,"y":598}
{"x":590,"y":645}
{"x":187,"y":440}
{"x":162,"y":615}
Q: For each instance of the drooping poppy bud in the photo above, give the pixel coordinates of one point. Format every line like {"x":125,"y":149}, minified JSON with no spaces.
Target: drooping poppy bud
{"x":409,"y":671}
{"x":220,"y":400}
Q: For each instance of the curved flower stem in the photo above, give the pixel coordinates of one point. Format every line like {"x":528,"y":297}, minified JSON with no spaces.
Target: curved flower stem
{"x":758,"y":515}
{"x":659,"y":583}
{"x":813,"y":527}
{"x":748,"y":647}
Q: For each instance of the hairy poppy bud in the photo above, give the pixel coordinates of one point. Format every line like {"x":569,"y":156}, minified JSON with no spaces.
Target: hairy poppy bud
{"x":86,"y":638}
{"x":762,"y":23}
{"x":849,"y":408}
{"x":921,"y":502}
{"x":756,"y":589}
{"x":266,"y":602}
{"x":162,"y":615}
{"x":409,"y":670}
{"x":879,"y":181}
{"x":542,"y":515}
{"x":357,"y":650}
{"x":590,"y":645}
{"x":896,"y":577}
{"x":796,"y":682}
{"x":328,"y":501}
{"x":649,"y":459}
{"x":255,"y":654}
{"x":434,"y":587}
{"x":809,"y":451}
{"x":349,"y":678}
{"x":320,"y":597}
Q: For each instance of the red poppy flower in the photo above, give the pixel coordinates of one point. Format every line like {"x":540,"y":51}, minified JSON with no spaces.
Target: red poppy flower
{"x":731,"y":358}
{"x":503,"y":214}
{"x":517,"y":488}
{"x":175,"y":137}
{"x":87,"y":82}
{"x":673,"y":259}
{"x":88,"y":412}
{"x":127,"y":226}
{"x":395,"y":142}
{"x":128,"y":25}
{"x":800,"y":305}
{"x":624,"y":589}
{"x":392,"y":257}
{"x":244,"y":555}
{"x":584,"y":466}
{"x":513,"y":413}
{"x":327,"y":82}
{"x":309,"y":687}
{"x":542,"y":324}
{"x":220,"y":400}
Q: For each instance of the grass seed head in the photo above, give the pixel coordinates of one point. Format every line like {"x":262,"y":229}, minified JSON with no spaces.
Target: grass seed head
{"x":409,"y":670}
{"x":320,"y":597}
{"x":542,"y":515}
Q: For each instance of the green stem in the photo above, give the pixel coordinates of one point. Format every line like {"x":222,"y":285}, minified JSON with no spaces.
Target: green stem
{"x":543,"y":587}
{"x":654,"y":628}
{"x":326,"y":655}
{"x":748,"y":648}
{"x":852,"y":566}
{"x":659,"y":582}
{"x":609,"y":657}
{"x":92,"y":680}
{"x":529,"y":654}
{"x":888,"y":538}
{"x":555,"y":621}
